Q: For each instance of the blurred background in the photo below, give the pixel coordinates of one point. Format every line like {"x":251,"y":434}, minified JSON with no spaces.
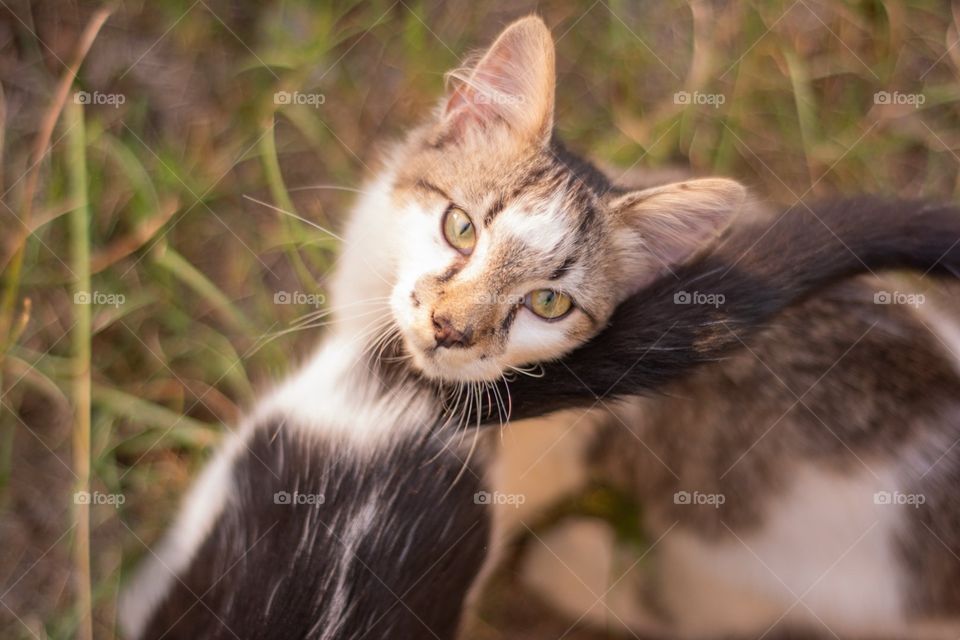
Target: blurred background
{"x":144,"y":260}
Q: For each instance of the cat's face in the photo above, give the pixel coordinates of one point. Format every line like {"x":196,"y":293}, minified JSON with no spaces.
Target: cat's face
{"x":504,"y":262}
{"x":510,"y":252}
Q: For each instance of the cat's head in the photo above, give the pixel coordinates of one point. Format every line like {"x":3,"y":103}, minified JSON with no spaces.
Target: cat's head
{"x":510,"y":250}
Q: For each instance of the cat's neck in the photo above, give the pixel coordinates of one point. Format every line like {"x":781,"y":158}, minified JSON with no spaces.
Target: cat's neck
{"x":349,"y":390}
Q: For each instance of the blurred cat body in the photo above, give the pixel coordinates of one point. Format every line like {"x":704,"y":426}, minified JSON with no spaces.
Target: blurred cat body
{"x":765,"y":477}
{"x":334,"y":511}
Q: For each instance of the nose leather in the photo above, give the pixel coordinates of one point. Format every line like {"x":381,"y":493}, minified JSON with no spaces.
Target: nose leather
{"x":449,"y":337}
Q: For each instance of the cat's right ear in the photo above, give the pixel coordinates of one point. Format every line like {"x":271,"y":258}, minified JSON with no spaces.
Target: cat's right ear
{"x":512,"y":86}
{"x":667,"y":225}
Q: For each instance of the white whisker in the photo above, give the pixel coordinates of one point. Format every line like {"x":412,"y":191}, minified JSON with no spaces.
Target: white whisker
{"x":333,"y":187}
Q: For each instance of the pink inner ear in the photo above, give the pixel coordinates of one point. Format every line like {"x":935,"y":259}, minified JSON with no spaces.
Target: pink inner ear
{"x":456,"y":101}
{"x":496,"y":72}
{"x":459,"y":115}
{"x":485,"y":105}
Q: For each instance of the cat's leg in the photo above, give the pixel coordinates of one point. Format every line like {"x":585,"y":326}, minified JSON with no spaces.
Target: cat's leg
{"x":537,"y":463}
{"x":577,"y":565}
{"x":581,"y":571}
{"x":929,"y":541}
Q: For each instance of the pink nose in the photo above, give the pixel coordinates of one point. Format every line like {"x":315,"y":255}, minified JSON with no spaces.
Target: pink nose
{"x":449,"y":337}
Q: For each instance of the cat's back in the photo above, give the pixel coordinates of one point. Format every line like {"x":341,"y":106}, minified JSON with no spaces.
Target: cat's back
{"x":852,"y":379}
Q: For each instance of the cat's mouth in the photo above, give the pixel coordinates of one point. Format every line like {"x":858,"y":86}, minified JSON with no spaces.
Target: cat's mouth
{"x":423,"y":352}
{"x":451,"y":365}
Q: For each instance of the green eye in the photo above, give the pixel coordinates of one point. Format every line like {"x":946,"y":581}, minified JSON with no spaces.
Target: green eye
{"x":458,"y":230}
{"x":549,"y":304}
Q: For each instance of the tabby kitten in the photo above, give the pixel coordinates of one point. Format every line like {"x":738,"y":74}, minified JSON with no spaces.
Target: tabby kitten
{"x":494,"y":245}
{"x":764,"y":476}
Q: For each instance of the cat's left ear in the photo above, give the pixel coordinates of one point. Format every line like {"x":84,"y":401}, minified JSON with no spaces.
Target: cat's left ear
{"x":512,"y":85}
{"x":668,"y":225}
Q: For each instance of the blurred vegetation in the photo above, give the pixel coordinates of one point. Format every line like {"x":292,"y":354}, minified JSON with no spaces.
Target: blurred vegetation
{"x":149,"y":196}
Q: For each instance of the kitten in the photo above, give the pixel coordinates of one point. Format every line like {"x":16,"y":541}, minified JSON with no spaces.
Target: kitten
{"x":335,"y":509}
{"x":497,"y":248}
